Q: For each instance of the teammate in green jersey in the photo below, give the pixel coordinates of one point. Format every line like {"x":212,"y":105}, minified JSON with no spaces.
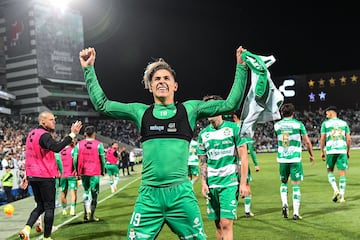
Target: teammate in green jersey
{"x":219,"y":149}
{"x":166,"y":127}
{"x":193,"y":162}
{"x":251,"y":150}
{"x":290,"y":132}
{"x":335,"y":141}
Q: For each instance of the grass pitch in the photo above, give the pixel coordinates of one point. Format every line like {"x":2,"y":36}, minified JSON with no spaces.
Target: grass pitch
{"x":322,"y":218}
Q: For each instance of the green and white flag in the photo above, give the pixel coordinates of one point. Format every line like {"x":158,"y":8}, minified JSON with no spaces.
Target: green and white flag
{"x":263,"y":100}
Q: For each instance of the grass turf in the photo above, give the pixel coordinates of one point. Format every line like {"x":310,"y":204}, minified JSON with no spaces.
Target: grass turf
{"x":322,"y":218}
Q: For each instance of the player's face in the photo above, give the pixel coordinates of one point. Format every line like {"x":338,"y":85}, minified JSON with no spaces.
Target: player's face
{"x":215,"y":121}
{"x":163,"y":85}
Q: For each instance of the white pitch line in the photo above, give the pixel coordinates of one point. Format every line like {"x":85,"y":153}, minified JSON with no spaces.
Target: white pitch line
{"x":81,"y":213}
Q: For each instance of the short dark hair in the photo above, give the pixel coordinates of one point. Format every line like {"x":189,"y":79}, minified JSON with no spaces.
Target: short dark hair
{"x":89,"y":130}
{"x":331,"y":108}
{"x":287,"y":110}
{"x":237,"y":113}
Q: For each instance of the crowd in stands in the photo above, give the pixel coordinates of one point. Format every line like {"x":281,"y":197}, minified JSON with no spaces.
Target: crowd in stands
{"x":119,"y":130}
{"x":14,"y":129}
{"x":264,"y":137}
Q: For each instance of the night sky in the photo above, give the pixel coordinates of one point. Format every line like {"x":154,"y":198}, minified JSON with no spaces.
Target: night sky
{"x":200,"y":39}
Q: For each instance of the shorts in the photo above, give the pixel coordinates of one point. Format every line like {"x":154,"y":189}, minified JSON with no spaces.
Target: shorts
{"x":292,"y":170}
{"x":91,"y":183}
{"x":175,"y":205}
{"x":68,"y":183}
{"x":112,"y":169}
{"x":340,"y":160}
{"x":223,"y":203}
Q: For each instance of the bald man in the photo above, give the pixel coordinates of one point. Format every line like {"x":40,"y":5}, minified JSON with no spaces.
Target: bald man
{"x":41,"y":170}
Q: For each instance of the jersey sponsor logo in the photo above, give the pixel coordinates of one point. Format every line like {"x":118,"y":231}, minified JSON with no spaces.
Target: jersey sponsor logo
{"x":227,"y":132}
{"x":227,"y":142}
{"x":220,"y":152}
{"x":157,"y":128}
{"x":287,"y":153}
{"x":171,"y":127}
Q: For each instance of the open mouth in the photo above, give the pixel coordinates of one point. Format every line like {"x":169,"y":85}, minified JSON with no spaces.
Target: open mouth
{"x":162,"y":88}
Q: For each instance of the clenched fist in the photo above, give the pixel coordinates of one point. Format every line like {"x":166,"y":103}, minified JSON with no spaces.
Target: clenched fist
{"x":87,"y":57}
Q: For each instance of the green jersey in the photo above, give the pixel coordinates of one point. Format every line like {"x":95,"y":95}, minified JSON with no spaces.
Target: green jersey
{"x":336,"y":131}
{"x":289,"y":132}
{"x":165,"y":159}
{"x":193,"y":159}
{"x":220,"y":146}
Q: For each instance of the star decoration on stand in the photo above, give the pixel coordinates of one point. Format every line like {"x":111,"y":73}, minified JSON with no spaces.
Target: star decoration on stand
{"x":354,"y":79}
{"x":311,"y":97}
{"x":322,"y":96}
{"x":343,"y":80}
{"x":321,"y":82}
{"x":332,"y":82}
{"x":311,"y":83}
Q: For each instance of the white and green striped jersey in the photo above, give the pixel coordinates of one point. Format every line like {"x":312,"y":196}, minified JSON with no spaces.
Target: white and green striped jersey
{"x":193,"y":158}
{"x":289,"y":132}
{"x":335,"y":130}
{"x":220,"y":145}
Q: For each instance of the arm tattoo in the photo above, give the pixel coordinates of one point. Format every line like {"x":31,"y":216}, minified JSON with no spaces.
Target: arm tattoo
{"x":203,"y":167}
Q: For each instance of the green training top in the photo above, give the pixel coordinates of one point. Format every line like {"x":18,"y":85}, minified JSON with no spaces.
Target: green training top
{"x":193,"y":158}
{"x":165,"y":159}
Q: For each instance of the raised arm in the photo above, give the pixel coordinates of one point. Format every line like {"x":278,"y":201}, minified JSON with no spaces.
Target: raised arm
{"x":233,"y":100}
{"x":127,"y":111}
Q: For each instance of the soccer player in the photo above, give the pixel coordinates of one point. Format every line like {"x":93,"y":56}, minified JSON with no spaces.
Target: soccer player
{"x":290,"y":132}
{"x":112,"y":162}
{"x":251,"y":150}
{"x":219,"y":146}
{"x":89,"y":162}
{"x":68,"y":180}
{"x":335,"y":145}
{"x":193,"y":162}
{"x":166,"y":128}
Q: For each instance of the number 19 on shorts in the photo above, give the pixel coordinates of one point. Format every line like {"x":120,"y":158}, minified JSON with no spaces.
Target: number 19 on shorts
{"x":135,"y":219}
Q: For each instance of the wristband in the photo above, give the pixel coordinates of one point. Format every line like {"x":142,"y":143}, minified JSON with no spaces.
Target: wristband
{"x":72,"y":135}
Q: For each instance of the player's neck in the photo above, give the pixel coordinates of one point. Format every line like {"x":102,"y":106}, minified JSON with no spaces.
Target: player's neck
{"x":168,"y":99}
